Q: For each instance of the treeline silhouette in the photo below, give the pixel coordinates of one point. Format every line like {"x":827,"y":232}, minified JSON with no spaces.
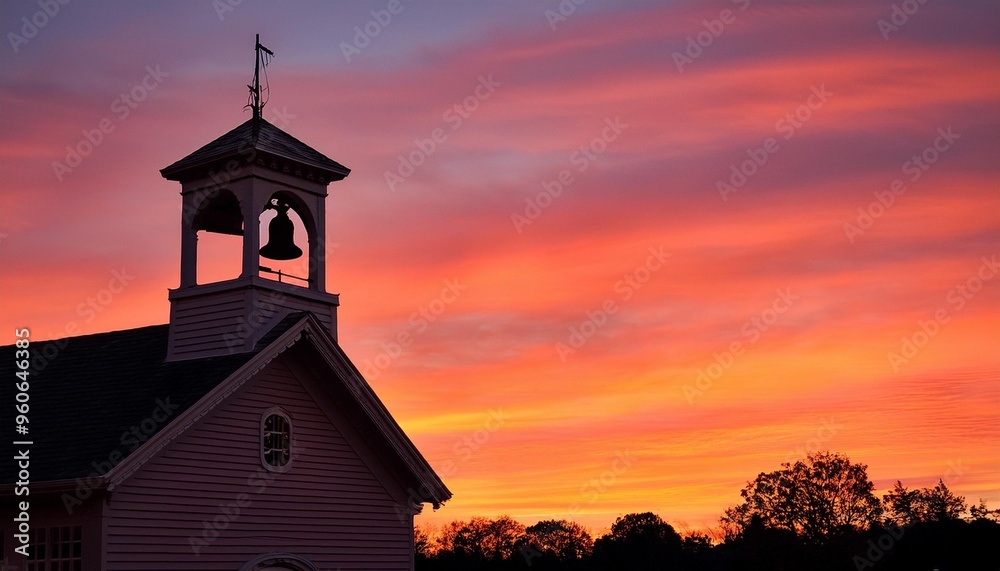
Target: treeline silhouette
{"x":820,"y":513}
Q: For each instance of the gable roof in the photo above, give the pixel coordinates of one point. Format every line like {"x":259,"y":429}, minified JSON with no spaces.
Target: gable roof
{"x":88,"y":397}
{"x":263,"y":137}
{"x":85,"y":394}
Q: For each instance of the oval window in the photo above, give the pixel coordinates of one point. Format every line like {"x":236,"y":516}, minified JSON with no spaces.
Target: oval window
{"x":275,"y":440}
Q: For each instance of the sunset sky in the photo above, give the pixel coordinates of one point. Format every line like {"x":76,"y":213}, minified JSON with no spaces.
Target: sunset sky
{"x":639,"y":246}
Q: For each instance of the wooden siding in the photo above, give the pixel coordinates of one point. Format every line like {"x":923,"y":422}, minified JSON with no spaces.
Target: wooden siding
{"x":216,"y":321}
{"x":207,"y":325}
{"x":323,"y":311}
{"x":331,"y":507}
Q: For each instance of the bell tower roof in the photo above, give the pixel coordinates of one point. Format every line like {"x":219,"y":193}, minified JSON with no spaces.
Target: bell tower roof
{"x":260,"y":142}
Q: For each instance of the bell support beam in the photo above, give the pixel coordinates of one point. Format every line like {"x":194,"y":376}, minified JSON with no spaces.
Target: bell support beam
{"x":252,"y":204}
{"x":317,"y":249}
{"x":189,"y":243}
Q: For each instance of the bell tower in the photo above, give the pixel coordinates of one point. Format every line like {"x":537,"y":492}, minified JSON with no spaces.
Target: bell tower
{"x":226,"y":187}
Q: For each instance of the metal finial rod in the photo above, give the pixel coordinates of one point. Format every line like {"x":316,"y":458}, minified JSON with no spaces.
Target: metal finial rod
{"x":255,"y":102}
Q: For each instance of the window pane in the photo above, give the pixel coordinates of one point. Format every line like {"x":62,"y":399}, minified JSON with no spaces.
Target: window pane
{"x":41,"y":542}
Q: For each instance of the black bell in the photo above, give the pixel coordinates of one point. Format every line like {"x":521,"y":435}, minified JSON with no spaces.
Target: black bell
{"x":280,"y":245}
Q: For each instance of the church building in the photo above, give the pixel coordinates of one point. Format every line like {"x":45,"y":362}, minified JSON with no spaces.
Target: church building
{"x":239,"y":436}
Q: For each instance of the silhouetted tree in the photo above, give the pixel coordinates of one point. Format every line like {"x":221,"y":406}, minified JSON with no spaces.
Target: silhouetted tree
{"x":818,"y":514}
{"x":445,"y":540}
{"x":901,"y":504}
{"x":697,"y":544}
{"x":940,"y":504}
{"x":983,"y":513}
{"x":486,"y":539}
{"x":421,"y":544}
{"x":638,"y":541}
{"x":759,"y":546}
{"x":906,"y":507}
{"x":945,"y":544}
{"x":821,"y":496}
{"x":560,"y":539}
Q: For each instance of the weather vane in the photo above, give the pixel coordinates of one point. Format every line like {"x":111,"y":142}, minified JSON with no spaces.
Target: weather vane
{"x":254,"y":102}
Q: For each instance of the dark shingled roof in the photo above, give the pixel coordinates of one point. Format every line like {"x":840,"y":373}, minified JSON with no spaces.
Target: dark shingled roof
{"x":84,"y":398}
{"x":258,"y":134}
